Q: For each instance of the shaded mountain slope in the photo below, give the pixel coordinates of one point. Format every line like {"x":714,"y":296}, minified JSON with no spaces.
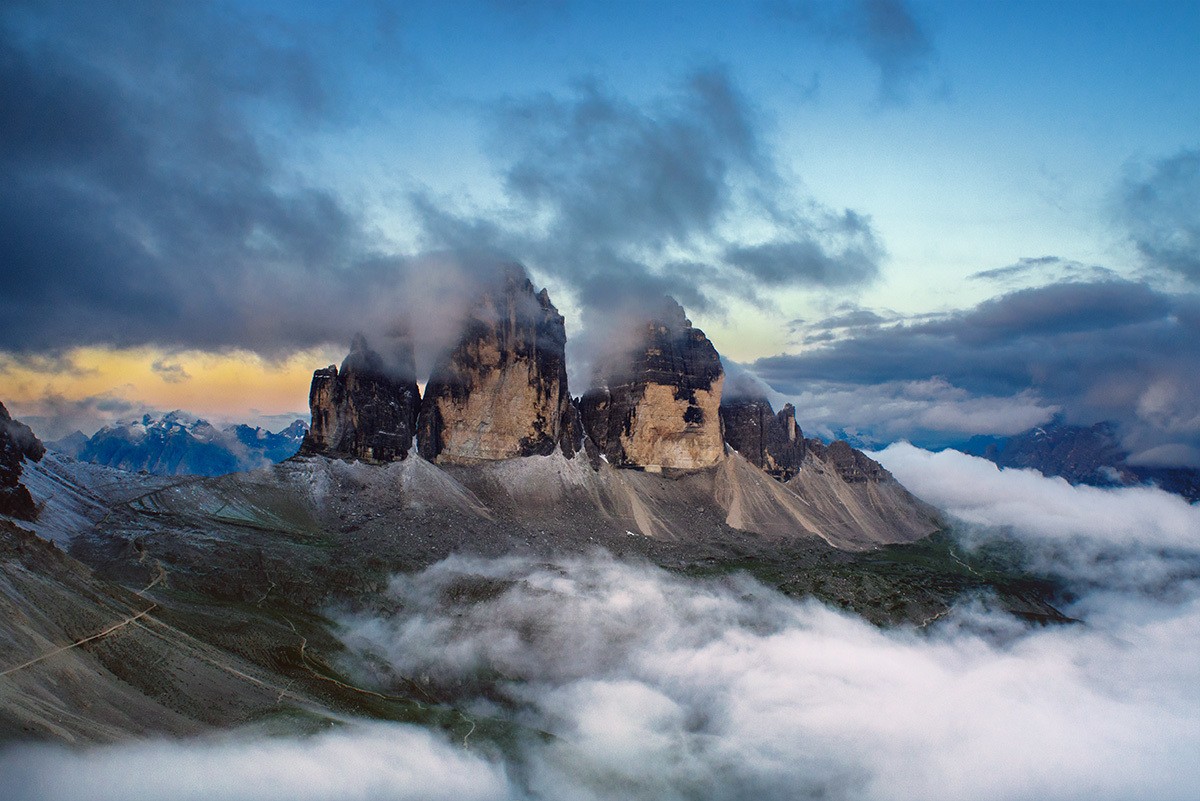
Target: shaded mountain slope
{"x":1082,"y":455}
{"x":177,"y":444}
{"x":86,"y":660}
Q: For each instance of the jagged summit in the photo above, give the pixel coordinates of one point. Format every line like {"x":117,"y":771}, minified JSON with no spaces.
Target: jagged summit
{"x":367,"y":410}
{"x":501,"y":391}
{"x":657,"y":405}
{"x":178,"y":443}
{"x":770,"y":441}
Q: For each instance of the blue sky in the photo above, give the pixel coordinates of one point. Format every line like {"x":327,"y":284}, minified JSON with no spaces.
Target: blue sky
{"x":821,"y":185}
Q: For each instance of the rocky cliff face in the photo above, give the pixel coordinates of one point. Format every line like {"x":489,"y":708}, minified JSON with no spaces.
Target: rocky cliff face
{"x":367,"y":409}
{"x":854,"y":466}
{"x":502,"y":391}
{"x":17,"y":443}
{"x":768,"y":440}
{"x":658,"y":407}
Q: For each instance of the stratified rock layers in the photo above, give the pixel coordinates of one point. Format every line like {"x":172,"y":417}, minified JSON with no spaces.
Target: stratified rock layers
{"x":502,"y":391}
{"x":366,"y":410}
{"x":659,"y":408}
{"x":768,"y":440}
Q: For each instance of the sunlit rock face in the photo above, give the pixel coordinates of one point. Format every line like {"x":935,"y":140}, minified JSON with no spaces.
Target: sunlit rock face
{"x":501,"y":392}
{"x":658,"y":406}
{"x":17,"y":443}
{"x":768,"y":440}
{"x":367,"y":409}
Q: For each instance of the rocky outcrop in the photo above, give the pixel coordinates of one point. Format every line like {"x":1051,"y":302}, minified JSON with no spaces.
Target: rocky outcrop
{"x":17,"y":443}
{"x":770,"y":441}
{"x":658,"y":405}
{"x":854,"y":466}
{"x":367,"y":409}
{"x":501,"y":392}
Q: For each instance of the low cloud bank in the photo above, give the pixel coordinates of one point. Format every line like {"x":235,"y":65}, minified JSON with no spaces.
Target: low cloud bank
{"x":1109,"y":544}
{"x":1040,"y":509}
{"x":659,"y":686}
{"x":366,"y":762}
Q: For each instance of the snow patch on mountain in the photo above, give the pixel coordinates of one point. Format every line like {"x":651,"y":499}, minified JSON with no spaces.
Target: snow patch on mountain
{"x":178,"y":443}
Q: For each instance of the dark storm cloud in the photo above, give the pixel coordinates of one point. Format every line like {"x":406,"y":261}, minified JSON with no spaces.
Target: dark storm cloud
{"x":607,"y":170}
{"x":895,"y":42}
{"x":59,"y":363}
{"x":138,"y":201}
{"x":851,"y":318}
{"x":623,"y":201}
{"x":145,"y":195}
{"x":1056,"y":309}
{"x":1112,"y":350}
{"x":886,"y":31}
{"x":1160,"y":206}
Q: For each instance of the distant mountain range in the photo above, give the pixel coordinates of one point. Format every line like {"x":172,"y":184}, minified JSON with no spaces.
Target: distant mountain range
{"x":1082,"y":455}
{"x":179,"y":444}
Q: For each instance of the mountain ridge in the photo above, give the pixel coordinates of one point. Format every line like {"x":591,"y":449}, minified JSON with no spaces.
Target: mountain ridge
{"x":1082,"y":454}
{"x":177,"y":443}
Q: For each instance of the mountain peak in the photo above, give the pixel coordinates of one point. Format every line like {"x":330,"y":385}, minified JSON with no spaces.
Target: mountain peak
{"x":363,"y":411}
{"x":657,"y":405}
{"x":502,"y":390}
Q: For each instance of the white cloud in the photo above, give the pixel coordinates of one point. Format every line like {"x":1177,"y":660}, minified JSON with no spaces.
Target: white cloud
{"x":362,"y":763}
{"x":899,"y":408}
{"x":1037,"y":507}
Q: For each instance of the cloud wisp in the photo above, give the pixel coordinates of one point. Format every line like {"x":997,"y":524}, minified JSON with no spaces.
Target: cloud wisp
{"x":886,"y":32}
{"x":1157,"y":205}
{"x":658,"y":686}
